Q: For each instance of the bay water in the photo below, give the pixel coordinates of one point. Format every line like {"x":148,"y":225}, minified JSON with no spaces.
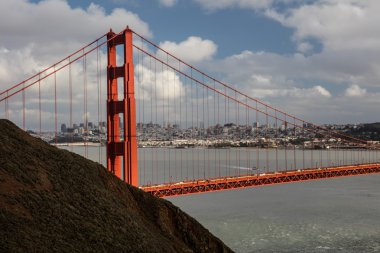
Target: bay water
{"x":333,"y":215}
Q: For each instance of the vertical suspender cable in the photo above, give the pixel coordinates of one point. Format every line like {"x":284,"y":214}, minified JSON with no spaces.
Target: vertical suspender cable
{"x":186,"y":122}
{"x":98,"y":86}
{"x":311,"y":155}
{"x":320,"y":155}
{"x":276,"y":125}
{"x":175,"y":122}
{"x":303,"y":145}
{"x":266,"y":139}
{"x":192,"y":121}
{"x":257,"y":140}
{"x":247,"y":131}
{"x":198,"y":130}
{"x":163,"y":111}
{"x":239,"y":134}
{"x":179,"y":127}
{"x":168,"y":117}
{"x":71,"y":103}
{"x":214,"y":130}
{"x":225,"y":122}
{"x":229,"y":150}
{"x":7,"y":107}
{"x":142,"y":67}
{"x":156,"y":169}
{"x":294,"y":144}
{"x":23,"y":107}
{"x":206,"y":131}
{"x":168,"y":123}
{"x":151,"y":119}
{"x":39,"y":104}
{"x":286,"y":143}
{"x":84,"y":106}
{"x":220,"y":126}
{"x":101,"y":102}
{"x":55,"y":107}
{"x":203,"y":128}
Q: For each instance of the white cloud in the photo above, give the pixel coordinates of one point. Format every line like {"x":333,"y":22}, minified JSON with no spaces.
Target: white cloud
{"x":338,"y":24}
{"x":291,"y":93}
{"x":193,"y":49}
{"x":355,"y":91}
{"x":54,"y":20}
{"x":158,"y":85}
{"x":321,"y":90}
{"x":347,"y":38}
{"x":213,"y":5}
{"x":222,"y":4}
{"x":168,"y":3}
{"x":37,"y":34}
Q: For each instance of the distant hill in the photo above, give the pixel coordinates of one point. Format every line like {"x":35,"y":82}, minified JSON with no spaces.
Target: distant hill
{"x":52,"y":200}
{"x":368,"y":131}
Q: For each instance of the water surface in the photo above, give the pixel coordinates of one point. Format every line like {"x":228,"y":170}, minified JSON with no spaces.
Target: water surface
{"x":334,"y":215}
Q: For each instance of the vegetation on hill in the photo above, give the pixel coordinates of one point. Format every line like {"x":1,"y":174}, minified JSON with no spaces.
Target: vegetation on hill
{"x":52,"y":200}
{"x":369,"y":131}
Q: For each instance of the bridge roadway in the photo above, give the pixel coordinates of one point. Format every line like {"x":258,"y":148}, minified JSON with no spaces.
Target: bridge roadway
{"x":235,"y":182}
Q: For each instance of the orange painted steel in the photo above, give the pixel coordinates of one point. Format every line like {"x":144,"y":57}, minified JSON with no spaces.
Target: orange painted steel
{"x":229,"y":183}
{"x":125,"y":147}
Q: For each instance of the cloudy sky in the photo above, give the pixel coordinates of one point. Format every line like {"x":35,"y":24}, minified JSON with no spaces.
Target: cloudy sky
{"x":319,"y":60}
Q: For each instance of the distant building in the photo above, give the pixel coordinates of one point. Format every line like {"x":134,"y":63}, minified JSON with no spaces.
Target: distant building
{"x":63,"y":128}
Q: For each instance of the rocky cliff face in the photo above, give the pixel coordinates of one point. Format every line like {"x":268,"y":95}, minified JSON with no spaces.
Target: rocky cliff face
{"x":52,"y":200}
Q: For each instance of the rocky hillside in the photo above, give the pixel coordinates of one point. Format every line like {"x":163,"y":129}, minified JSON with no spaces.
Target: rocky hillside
{"x":52,"y":200}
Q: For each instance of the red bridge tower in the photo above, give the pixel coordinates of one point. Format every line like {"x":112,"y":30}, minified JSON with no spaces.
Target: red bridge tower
{"x":121,"y":150}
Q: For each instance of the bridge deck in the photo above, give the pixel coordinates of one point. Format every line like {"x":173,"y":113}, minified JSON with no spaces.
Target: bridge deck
{"x":228,"y":183}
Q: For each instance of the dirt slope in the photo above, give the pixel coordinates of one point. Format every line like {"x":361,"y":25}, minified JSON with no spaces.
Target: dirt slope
{"x":52,"y":200}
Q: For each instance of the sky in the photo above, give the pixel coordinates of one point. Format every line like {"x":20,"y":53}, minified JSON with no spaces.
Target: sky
{"x":317,"y":59}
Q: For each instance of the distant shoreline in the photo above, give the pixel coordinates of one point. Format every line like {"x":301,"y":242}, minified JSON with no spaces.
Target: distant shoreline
{"x":77,"y":144}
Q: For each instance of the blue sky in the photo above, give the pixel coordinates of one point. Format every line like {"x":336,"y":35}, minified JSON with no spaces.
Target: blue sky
{"x":233,"y":29}
{"x":318,"y":59}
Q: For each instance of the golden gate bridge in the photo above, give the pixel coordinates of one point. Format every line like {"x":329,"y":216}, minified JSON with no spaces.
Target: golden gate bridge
{"x":172,"y":129}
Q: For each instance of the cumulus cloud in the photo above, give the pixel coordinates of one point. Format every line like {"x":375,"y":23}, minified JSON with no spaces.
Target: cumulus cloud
{"x":289,"y":93}
{"x":159,"y":85}
{"x":222,"y":4}
{"x":355,"y":91}
{"x":339,"y":25}
{"x":168,"y":3}
{"x":347,"y":39}
{"x":34,"y":35}
{"x":51,"y":29}
{"x":321,"y":90}
{"x":55,"y":20}
{"x":193,"y":49}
